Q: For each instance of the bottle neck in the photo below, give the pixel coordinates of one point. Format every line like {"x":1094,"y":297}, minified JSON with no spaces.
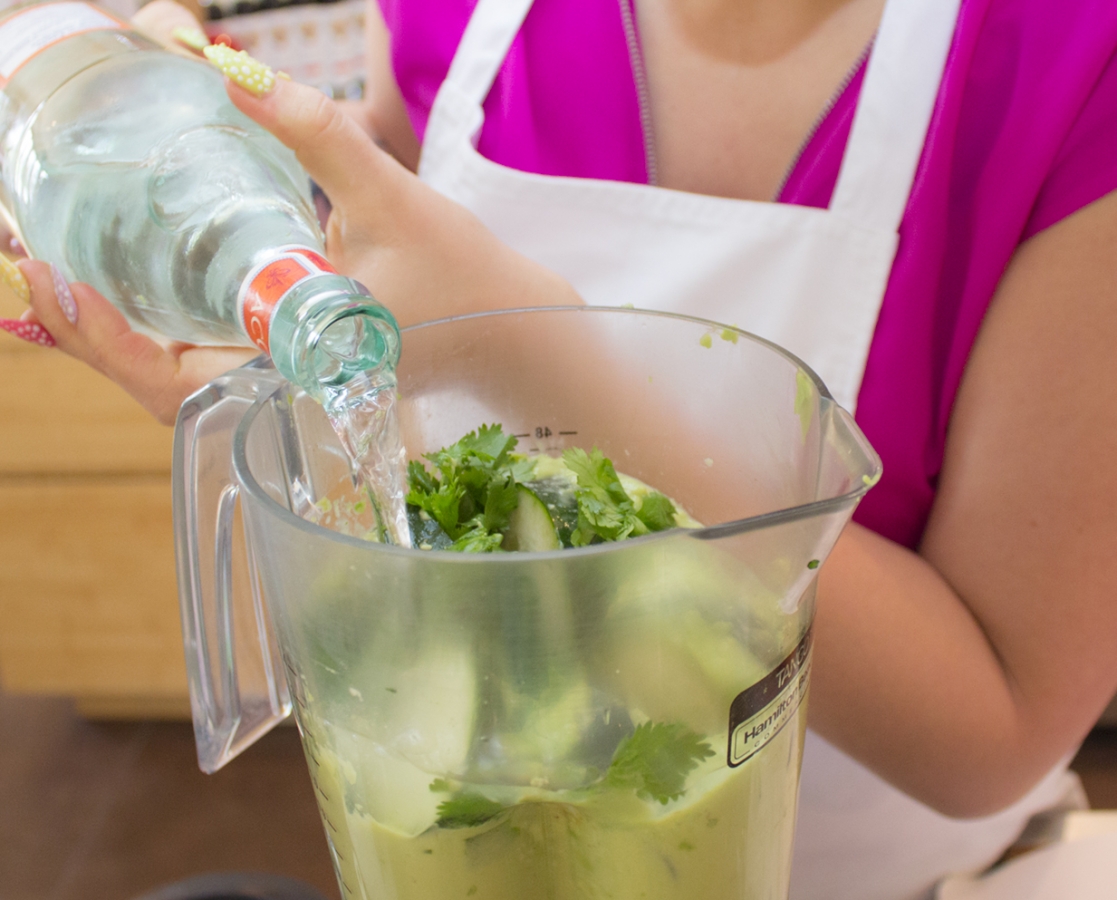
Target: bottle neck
{"x":323,"y":331}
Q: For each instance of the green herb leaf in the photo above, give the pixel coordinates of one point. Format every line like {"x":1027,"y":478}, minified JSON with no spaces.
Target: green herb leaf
{"x":605,"y":511}
{"x":467,"y":810}
{"x":500,"y":499}
{"x":420,"y":480}
{"x":657,"y":512}
{"x":475,"y":487}
{"x":443,"y":505}
{"x":477,"y":540}
{"x":488,"y":442}
{"x":656,"y":759}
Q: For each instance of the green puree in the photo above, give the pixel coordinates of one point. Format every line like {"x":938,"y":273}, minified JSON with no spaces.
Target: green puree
{"x":728,"y":837}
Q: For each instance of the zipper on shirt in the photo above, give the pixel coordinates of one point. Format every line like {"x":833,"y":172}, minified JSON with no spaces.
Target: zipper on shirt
{"x":822,"y":116}
{"x":640,"y":77}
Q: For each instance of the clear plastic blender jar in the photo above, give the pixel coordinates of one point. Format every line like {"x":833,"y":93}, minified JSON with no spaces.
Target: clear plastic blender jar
{"x":617,"y":721}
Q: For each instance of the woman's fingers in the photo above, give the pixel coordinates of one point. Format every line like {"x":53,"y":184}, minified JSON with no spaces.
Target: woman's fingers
{"x":86,"y":326}
{"x":161,"y":18}
{"x":420,"y":253}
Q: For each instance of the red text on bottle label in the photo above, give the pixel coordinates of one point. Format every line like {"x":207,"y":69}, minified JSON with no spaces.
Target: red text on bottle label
{"x":269,"y":282}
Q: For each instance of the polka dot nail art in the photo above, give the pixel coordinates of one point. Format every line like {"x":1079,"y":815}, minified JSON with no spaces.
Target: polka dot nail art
{"x":14,"y":279}
{"x":32,"y":332}
{"x":65,"y":296}
{"x":238,"y":66}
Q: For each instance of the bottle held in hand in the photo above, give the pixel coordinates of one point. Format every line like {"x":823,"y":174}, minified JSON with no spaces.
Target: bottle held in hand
{"x":127,"y":166}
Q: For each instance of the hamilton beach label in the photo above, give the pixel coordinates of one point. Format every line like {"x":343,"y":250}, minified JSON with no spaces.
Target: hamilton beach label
{"x":760,"y":712}
{"x":34,"y":30}
{"x":269,"y":282}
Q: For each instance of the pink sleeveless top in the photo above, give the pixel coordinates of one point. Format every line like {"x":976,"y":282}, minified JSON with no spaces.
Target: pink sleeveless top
{"x":1024,"y":133}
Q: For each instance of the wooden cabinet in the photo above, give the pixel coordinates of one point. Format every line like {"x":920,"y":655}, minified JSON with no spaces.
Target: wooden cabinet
{"x":88,"y":603}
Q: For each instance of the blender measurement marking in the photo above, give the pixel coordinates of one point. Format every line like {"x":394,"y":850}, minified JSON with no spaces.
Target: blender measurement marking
{"x":543,"y":431}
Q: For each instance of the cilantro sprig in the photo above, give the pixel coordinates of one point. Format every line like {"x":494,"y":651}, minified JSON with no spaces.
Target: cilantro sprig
{"x":654,"y":761}
{"x":605,"y":511}
{"x":472,"y":490}
{"x":467,"y":810}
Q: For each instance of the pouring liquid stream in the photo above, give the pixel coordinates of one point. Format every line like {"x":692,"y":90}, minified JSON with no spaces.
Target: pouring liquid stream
{"x":363,"y":416}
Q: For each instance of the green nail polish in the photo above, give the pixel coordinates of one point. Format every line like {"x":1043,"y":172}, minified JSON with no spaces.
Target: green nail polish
{"x":194,"y":38}
{"x":238,"y":66}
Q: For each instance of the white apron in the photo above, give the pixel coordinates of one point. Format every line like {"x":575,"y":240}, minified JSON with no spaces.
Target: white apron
{"x":811,"y":280}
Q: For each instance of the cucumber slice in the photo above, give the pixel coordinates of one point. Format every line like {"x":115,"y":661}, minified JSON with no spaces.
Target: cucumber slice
{"x":530,"y":526}
{"x":426,"y":533}
{"x":558,"y":495}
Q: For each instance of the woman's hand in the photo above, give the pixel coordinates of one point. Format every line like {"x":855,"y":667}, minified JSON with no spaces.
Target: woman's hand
{"x":86,"y":326}
{"x":161,"y":19}
{"x":420,"y":254}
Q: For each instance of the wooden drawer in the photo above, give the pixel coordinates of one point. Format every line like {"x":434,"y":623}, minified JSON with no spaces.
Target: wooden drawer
{"x":59,"y":416}
{"x":88,"y":602}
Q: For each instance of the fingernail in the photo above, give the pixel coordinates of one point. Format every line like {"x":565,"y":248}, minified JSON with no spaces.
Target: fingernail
{"x":16,"y":247}
{"x":64,"y":294}
{"x":32,"y":332}
{"x":14,"y":279}
{"x":238,"y":66}
{"x":194,"y":38}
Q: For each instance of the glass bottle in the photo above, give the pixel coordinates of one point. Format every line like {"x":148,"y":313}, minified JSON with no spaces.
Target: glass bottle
{"x":127,"y":166}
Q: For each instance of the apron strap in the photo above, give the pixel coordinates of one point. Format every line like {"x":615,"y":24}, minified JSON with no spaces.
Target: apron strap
{"x":484,"y":45}
{"x":889,"y":127}
{"x":894,"y":112}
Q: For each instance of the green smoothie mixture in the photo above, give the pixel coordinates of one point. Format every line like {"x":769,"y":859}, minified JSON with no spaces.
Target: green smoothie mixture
{"x":483,"y":768}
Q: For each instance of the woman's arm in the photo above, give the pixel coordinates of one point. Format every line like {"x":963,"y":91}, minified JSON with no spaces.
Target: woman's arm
{"x":964,"y":673}
{"x":421,"y":254}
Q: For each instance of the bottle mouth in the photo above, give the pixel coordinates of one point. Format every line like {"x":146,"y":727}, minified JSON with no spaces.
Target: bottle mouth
{"x":357,"y":342}
{"x":334,"y":340}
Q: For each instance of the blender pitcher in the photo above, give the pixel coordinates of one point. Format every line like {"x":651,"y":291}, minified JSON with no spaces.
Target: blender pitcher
{"x":622,"y":720}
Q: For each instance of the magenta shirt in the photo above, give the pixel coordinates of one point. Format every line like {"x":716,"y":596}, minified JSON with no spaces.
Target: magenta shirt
{"x":1023,"y":134}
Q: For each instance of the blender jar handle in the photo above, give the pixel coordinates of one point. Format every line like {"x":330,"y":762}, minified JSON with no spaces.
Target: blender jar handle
{"x":238,"y":691}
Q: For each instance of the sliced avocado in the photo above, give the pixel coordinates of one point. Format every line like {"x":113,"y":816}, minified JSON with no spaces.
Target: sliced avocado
{"x":530,"y":526}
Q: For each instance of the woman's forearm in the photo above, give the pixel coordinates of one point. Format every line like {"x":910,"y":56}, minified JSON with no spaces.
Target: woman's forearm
{"x":905,"y":681}
{"x":964,"y":672}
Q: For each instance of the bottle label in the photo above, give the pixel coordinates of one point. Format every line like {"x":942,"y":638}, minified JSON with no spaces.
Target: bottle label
{"x":269,"y":282}
{"x":30,"y":32}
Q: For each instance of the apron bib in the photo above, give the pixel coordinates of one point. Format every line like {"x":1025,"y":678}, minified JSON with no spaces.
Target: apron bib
{"x":810,"y":280}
